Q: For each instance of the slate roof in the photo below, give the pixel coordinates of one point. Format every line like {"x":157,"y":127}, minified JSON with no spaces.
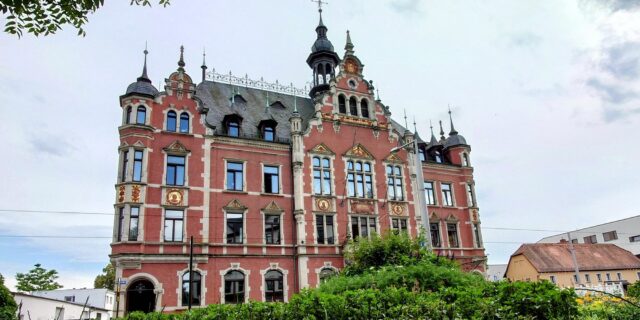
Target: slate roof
{"x":142,"y":87}
{"x":216,"y":96}
{"x":455,"y":140}
{"x":556,"y":257}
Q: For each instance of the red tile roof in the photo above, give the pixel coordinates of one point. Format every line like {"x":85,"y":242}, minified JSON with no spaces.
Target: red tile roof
{"x":556,"y":257}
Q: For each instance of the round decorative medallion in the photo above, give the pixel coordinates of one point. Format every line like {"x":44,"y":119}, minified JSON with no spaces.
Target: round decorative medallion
{"x":323,"y":204}
{"x":397,"y":209}
{"x":174,"y":197}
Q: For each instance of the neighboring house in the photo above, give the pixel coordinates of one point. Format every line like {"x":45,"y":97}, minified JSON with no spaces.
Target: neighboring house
{"x":100,"y":298}
{"x":42,"y":308}
{"x":624,"y":233}
{"x":598,"y":264}
{"x":495,"y":272}
{"x":272,"y":181}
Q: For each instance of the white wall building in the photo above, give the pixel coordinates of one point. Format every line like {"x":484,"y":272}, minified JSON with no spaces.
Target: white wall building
{"x":41,"y":308}
{"x":624,"y":233}
{"x":99,"y":298}
{"x":495,"y":272}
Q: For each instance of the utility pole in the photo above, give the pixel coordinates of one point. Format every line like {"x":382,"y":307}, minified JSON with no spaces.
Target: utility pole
{"x":573,"y":257}
{"x":190,"y":272}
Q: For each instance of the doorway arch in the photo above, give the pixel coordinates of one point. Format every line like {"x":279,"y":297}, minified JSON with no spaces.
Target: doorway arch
{"x":141,"y":296}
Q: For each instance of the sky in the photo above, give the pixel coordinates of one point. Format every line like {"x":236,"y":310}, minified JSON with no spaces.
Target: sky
{"x":547,"y":93}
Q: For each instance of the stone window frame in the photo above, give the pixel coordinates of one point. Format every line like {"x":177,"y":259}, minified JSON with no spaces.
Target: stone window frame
{"x":453,"y":197}
{"x":374,"y":190}
{"x":359,"y":99}
{"x":244,"y":225}
{"x":264,"y":213}
{"x":285,"y":283}
{"x":244,"y":174}
{"x":335,"y":228}
{"x":235,"y":266}
{"x":369,"y":217}
{"x":331,"y":159}
{"x":453,"y":220}
{"x":325,"y":265}
{"x":184,"y":224}
{"x":403,"y":185}
{"x":262,"y":186}
{"x":203,"y":285}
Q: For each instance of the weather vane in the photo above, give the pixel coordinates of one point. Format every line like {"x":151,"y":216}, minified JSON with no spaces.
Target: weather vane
{"x":320,"y":3}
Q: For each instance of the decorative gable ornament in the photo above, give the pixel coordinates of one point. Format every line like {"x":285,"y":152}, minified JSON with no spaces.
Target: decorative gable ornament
{"x":235,"y":204}
{"x":452,"y":218}
{"x":139,"y":144}
{"x":433,"y":217}
{"x":358,"y":151}
{"x":322,"y":149}
{"x":393,"y":157}
{"x":272,"y":207}
{"x":176,"y":148}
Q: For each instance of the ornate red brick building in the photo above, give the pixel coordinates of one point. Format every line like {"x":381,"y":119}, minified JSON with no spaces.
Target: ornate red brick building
{"x":271,"y":184}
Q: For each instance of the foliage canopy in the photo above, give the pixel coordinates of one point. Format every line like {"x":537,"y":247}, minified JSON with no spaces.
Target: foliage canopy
{"x":37,"y":279}
{"x":107,"y":279}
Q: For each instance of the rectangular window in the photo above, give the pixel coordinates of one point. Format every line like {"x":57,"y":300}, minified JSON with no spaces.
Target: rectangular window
{"x":272,"y":229}
{"x":591,"y":239}
{"x":394,"y":183}
{"x":435,"y":234}
{"x":429,"y":193}
{"x":452,"y":235}
{"x":553,"y":279}
{"x":321,"y":176}
{"x":471,"y":198}
{"x":362,"y":226}
{"x":611,"y":235}
{"x":587,"y":278}
{"x":175,"y":170}
{"x":120,"y":223}
{"x":359,"y":179}
{"x":173,"y":225}
{"x":134,"y":217}
{"x":125,"y":165}
{"x":137,"y":165}
{"x":574,"y":240}
{"x":576,"y":278}
{"x":619,"y":275}
{"x":234,"y":228}
{"x":324,"y":229}
{"x":271,"y":179}
{"x":634,"y":238}
{"x":599,"y":277}
{"x":608,"y":275}
{"x":399,"y":225}
{"x":447,"y":198}
{"x":70,"y":298}
{"x":235,"y":179}
{"x":476,"y":234}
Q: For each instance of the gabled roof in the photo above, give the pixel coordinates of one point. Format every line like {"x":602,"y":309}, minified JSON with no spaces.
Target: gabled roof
{"x":556,"y":257}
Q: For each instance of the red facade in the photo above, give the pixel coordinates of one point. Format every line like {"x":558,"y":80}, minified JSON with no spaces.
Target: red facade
{"x":272,"y":185}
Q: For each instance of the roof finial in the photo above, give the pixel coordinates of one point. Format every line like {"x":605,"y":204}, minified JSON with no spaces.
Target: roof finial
{"x":181,"y":61}
{"x":453,"y":131}
{"x":378,"y":94}
{"x":415,"y":128}
{"x":349,"y":46}
{"x":144,"y":76}
{"x":441,"y":130}
{"x":204,"y":64}
{"x":433,"y":139}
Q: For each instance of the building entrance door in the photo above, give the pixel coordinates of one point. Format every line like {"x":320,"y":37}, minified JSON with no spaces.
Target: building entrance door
{"x":141,"y":297}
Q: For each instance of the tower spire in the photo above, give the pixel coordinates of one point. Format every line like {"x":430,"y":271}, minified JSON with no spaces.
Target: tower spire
{"x":181,"y":61}
{"x":441,"y":131}
{"x":204,"y":65}
{"x":433,"y":139}
{"x":453,"y":131}
{"x":348,"y":47}
{"x":405,"y":119}
{"x":144,"y":76}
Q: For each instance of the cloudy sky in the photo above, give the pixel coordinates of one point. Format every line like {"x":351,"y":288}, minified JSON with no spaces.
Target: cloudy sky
{"x":546,"y":92}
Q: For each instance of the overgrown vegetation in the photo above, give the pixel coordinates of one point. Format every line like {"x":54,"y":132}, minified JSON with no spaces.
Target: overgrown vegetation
{"x":392,"y":277}
{"x":8,"y":305}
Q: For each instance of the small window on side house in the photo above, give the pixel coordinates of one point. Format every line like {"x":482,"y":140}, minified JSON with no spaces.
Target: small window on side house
{"x":591,"y":239}
{"x":609,"y":236}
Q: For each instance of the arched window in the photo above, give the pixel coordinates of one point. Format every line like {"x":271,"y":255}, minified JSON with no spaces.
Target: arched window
{"x":353,"y":108}
{"x":274,"y":286}
{"x":184,"y":122}
{"x":171,"y":121}
{"x":141,"y":116}
{"x":234,"y":287}
{"x":465,"y":159}
{"x":328,"y":71}
{"x":364,"y":108}
{"x":196,"y":286}
{"x":326,"y":273}
{"x":127,"y":118}
{"x":342,"y":104}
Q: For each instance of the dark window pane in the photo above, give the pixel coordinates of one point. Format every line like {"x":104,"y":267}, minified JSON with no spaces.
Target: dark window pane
{"x":329,"y":229}
{"x":234,"y":228}
{"x":141,"y":115}
{"x":171,"y":121}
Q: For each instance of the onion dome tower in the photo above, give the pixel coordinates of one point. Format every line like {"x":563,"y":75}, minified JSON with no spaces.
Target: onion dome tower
{"x":143,"y":84}
{"x":322,"y":60}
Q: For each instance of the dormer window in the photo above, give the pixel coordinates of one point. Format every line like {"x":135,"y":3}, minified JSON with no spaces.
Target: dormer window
{"x":342,"y":104}
{"x":171,"y":121}
{"x":421,"y":154}
{"x":141,"y":115}
{"x":268,"y":130}
{"x":232,"y":125}
{"x":437,"y":156}
{"x":364,"y":108}
{"x":353,"y":107}
{"x":184,"y":122}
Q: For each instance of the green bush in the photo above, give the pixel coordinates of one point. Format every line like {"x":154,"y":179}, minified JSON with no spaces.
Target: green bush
{"x":8,"y":306}
{"x":634,"y":290}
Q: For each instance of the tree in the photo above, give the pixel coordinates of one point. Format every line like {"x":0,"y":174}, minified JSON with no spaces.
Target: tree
{"x":8,"y":306}
{"x":47,"y":17}
{"x":107,"y":279}
{"x":37,"y":279}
